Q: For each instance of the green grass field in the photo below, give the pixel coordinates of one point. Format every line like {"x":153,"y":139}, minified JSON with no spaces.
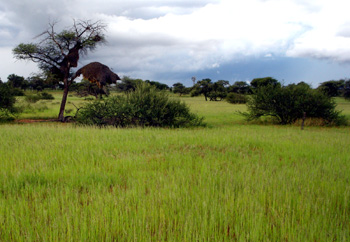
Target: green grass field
{"x":230,"y":181}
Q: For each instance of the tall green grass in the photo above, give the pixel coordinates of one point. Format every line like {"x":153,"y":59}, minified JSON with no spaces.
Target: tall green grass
{"x":239,"y":183}
{"x":230,"y":182}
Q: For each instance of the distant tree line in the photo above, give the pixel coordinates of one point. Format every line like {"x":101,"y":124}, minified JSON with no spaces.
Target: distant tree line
{"x":221,"y":89}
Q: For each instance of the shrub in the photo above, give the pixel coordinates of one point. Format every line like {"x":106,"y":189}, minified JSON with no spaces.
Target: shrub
{"x":146,"y":106}
{"x":288,"y":104}
{"x":7,"y":102}
{"x":17,"y":92}
{"x":46,"y":96}
{"x":236,"y":98}
{"x":32,"y":98}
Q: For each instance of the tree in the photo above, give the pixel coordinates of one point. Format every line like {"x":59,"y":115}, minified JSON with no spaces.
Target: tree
{"x":332,"y":88}
{"x":289,"y":103}
{"x":180,"y":88}
{"x":16,"y":81}
{"x":58,"y":52}
{"x":158,"y":85}
{"x":128,"y":84}
{"x":346,"y":93}
{"x":202,"y":87}
{"x":240,"y":87}
{"x":214,"y":91}
{"x":36,"y":82}
{"x":193,"y":80}
{"x":265,"y":81}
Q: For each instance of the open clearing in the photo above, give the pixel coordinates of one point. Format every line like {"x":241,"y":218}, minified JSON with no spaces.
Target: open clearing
{"x":231,"y":181}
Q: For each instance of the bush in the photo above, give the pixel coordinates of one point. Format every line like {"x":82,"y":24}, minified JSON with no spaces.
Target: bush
{"x":46,"y":96}
{"x":288,"y":104}
{"x":32,"y":98}
{"x":236,"y":98}
{"x":146,"y":106}
{"x":17,"y":92}
{"x":7,"y":102}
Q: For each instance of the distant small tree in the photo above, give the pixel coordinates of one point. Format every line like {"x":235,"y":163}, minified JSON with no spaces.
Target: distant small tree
{"x":332,"y":88}
{"x":36,"y":82}
{"x":158,"y":85}
{"x":180,"y":89}
{"x":214,"y":91}
{"x":202,"y":87}
{"x":239,"y":87}
{"x":346,"y":93}
{"x":193,"y":80}
{"x":265,"y":81}
{"x":128,"y":84}
{"x":16,"y":81}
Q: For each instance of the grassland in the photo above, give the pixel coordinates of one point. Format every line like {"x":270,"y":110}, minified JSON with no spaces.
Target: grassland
{"x":231,"y":181}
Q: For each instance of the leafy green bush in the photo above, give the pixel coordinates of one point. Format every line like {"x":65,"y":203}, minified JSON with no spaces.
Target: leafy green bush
{"x":7,"y":102}
{"x":17,"y":92}
{"x":146,"y":106}
{"x":46,"y":96}
{"x":288,"y":104}
{"x":236,"y":98}
{"x":32,"y":98}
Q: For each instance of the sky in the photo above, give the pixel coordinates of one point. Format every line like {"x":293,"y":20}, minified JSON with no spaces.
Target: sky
{"x":173,"y":40}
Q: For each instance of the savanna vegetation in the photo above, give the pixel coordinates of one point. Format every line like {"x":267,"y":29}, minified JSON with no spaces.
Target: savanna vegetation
{"x":229,"y":181}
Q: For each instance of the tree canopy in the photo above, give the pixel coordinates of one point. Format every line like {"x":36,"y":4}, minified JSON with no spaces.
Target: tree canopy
{"x":288,"y":103}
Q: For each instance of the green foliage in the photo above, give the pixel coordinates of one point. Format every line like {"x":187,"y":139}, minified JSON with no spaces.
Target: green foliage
{"x":86,"y":88}
{"x":265,"y":81}
{"x":7,"y":102}
{"x":128,"y":84}
{"x":16,"y":81}
{"x":158,"y":85}
{"x":46,"y":96}
{"x":236,"y":98}
{"x":288,"y":103}
{"x":346,"y":93}
{"x":214,"y":91}
{"x":17,"y":92}
{"x":180,"y":89}
{"x":240,"y":87}
{"x":146,"y":106}
{"x":33,"y":98}
{"x":332,"y":88}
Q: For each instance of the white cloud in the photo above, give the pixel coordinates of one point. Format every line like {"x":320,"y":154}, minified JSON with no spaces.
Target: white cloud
{"x":329,"y":33}
{"x":149,"y":37}
{"x":11,"y":66}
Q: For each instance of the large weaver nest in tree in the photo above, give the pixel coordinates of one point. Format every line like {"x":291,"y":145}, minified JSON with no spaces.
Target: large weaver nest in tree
{"x":98,"y":73}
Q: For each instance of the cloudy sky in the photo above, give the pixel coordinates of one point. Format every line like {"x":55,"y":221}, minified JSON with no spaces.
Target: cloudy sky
{"x":172,"y":40}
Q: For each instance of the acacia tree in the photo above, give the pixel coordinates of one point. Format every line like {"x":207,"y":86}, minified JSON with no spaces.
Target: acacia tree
{"x":58,"y":52}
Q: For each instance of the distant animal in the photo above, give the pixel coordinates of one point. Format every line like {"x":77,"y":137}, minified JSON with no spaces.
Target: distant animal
{"x":97,"y":73}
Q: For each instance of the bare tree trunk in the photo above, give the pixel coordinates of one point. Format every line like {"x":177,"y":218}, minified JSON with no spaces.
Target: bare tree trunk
{"x":64,"y":101}
{"x":302,"y":123}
